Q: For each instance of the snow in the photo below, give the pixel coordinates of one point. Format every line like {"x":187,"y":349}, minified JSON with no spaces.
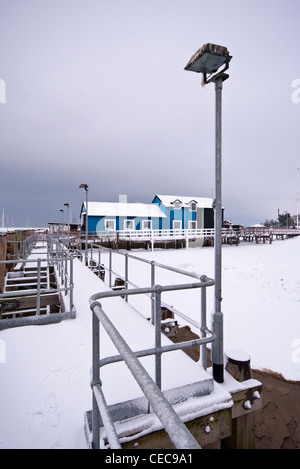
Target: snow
{"x":120,"y":209}
{"x":168,"y":200}
{"x":45,"y":370}
{"x":238,"y":355}
{"x":261,"y":298}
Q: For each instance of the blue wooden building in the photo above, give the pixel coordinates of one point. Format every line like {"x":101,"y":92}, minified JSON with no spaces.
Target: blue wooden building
{"x":166,"y":212}
{"x":109,"y":216}
{"x":183,"y":212}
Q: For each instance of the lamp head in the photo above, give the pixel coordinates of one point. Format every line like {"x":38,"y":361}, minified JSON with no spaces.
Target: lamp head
{"x":208,"y":59}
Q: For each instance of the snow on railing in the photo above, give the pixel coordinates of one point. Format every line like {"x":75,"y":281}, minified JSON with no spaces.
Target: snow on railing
{"x":57,"y":256}
{"x":173,"y":425}
{"x":156,"y":234}
{"x":100,"y":265}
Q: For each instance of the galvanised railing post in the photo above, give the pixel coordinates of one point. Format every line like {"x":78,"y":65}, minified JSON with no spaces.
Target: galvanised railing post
{"x":158,"y":336}
{"x":99,"y":261}
{"x":71,"y":284}
{"x":203,"y":322}
{"x":48,"y":248}
{"x":171,"y":422}
{"x":110,"y":267}
{"x":95,"y":380}
{"x":62,"y":265}
{"x":38,"y":287}
{"x":126,"y":275}
{"x":66,"y":270}
{"x":58,"y":255}
{"x":152,"y":294}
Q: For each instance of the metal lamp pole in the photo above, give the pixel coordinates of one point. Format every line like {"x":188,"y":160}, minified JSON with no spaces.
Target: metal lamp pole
{"x":298,"y":198}
{"x":217,"y":346}
{"x":62,"y":221}
{"x":86,"y":188}
{"x":67,"y":205}
{"x":208,"y":60}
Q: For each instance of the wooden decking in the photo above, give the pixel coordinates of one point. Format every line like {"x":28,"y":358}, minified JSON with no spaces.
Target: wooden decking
{"x":267,"y":234}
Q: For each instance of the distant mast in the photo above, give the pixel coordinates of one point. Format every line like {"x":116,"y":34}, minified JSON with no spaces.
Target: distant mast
{"x":298,"y":198}
{"x":2,"y":219}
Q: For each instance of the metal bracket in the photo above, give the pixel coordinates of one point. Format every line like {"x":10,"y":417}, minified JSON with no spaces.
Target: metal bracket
{"x":212,"y":78}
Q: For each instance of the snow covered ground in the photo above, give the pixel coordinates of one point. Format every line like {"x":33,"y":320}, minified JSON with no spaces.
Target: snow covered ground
{"x":261,"y":298}
{"x":45,"y":370}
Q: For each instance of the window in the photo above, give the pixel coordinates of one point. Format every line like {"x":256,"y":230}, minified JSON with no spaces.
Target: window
{"x":128,"y":225}
{"x":192,"y":225}
{"x":110,"y":225}
{"x":176,"y":224}
{"x":147,"y":225}
{"x":177,"y":204}
{"x":193,"y":206}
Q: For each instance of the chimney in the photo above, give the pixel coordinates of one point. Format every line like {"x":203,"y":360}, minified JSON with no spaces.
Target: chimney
{"x":122,"y":198}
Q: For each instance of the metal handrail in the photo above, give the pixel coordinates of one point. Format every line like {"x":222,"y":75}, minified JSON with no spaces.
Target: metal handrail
{"x":61,"y":260}
{"x":153,"y":265}
{"x":177,"y":431}
{"x":152,"y":390}
{"x":91,"y":262}
{"x":67,"y":286}
{"x":127,"y":282}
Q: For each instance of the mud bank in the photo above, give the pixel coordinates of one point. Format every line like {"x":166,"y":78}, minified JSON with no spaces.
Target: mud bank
{"x":277,"y":424}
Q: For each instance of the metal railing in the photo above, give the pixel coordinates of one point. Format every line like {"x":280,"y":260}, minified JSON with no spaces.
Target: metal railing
{"x":61,"y":262}
{"x":269,"y":231}
{"x":102,"y":267}
{"x":96,"y":262}
{"x":186,"y":235}
{"x":151,"y":389}
{"x":158,"y":235}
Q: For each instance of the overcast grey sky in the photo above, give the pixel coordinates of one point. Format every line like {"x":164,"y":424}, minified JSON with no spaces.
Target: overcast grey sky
{"x":96,"y":93}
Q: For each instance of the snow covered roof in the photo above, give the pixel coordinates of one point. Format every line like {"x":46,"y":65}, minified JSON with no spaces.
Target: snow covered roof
{"x":123,"y":210}
{"x":168,"y":200}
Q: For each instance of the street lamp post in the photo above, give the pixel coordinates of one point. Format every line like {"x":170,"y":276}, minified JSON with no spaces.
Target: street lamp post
{"x":86,"y":188}
{"x":67,"y":205}
{"x":62,"y":221}
{"x":298,"y":198}
{"x":208,"y":60}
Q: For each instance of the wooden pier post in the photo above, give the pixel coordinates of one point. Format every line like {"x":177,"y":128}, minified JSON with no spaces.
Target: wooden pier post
{"x":246,"y":402}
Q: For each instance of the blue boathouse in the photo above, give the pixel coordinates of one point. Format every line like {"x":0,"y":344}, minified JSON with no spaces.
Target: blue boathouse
{"x":185,"y":213}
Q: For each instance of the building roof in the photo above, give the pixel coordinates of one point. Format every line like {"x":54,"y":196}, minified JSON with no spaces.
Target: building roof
{"x":112,"y":209}
{"x":168,"y":200}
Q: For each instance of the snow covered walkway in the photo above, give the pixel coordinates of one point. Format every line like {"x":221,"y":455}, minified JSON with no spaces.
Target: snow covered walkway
{"x":45,"y":380}
{"x":45,"y":370}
